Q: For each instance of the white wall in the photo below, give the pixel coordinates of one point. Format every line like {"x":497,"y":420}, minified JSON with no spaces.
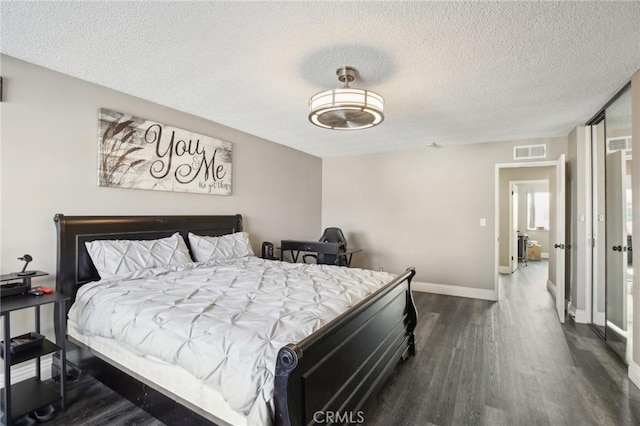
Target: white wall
{"x":49,"y":159}
{"x":422,"y":208}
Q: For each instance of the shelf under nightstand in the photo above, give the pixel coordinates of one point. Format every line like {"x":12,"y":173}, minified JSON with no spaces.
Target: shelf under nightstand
{"x":33,"y":393}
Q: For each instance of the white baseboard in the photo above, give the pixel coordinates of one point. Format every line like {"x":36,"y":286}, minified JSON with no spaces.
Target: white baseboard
{"x":544,"y":255}
{"x":581,"y":317}
{"x":551,"y":287}
{"x":454,"y":290}
{"x":634,"y":373}
{"x":620,"y":332}
{"x":504,"y":269}
{"x":28,"y":369}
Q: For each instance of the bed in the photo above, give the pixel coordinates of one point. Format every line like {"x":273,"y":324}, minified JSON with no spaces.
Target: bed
{"x":334,"y":369}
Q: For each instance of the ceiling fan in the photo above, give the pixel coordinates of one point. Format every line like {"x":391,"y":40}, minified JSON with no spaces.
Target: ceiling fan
{"x":346,"y":108}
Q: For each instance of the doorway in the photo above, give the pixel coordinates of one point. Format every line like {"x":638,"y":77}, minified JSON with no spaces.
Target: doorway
{"x":554,"y":173}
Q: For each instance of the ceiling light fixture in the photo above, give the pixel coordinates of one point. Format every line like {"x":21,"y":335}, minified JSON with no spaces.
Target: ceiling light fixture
{"x":346,"y":108}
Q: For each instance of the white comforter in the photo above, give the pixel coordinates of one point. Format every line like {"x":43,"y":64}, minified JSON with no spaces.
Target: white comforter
{"x":223,"y":322}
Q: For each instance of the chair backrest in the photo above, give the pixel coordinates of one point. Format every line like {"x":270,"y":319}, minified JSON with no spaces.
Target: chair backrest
{"x":332,"y":235}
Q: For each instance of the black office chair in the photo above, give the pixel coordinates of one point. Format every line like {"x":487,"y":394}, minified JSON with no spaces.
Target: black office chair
{"x":330,"y":235}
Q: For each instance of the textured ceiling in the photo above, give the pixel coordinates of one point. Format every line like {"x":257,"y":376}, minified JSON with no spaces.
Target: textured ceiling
{"x":451,"y":73}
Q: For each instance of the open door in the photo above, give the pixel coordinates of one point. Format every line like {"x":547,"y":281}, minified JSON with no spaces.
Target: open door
{"x":560,"y":237}
{"x":513,"y":218}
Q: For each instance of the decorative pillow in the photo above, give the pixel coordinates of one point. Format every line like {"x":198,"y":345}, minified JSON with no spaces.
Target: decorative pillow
{"x":118,"y":257}
{"x":230,"y":246}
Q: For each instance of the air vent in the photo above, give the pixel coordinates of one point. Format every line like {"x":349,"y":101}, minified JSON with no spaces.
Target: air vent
{"x":619,"y":144}
{"x":529,"y":152}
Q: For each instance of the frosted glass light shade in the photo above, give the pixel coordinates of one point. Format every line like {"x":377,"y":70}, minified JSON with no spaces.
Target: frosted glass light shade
{"x":346,"y":108}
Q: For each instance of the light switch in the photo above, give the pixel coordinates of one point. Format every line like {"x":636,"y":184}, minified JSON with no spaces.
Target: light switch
{"x":483,"y":221}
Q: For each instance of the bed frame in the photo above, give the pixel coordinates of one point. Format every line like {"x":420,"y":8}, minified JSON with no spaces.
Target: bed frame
{"x":333,"y":370}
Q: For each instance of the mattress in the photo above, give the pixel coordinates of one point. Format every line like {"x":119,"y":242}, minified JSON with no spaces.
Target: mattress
{"x":172,"y":380}
{"x":222,"y":322}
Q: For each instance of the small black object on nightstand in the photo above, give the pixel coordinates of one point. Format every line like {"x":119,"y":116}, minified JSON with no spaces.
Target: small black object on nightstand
{"x":267,"y":251}
{"x":25,"y":342}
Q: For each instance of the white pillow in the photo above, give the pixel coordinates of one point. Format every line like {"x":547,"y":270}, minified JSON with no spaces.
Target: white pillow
{"x":118,"y":257}
{"x":230,"y":246}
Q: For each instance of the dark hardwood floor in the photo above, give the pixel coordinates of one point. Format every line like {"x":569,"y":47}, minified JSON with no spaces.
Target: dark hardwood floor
{"x":506,"y":363}
{"x":90,"y":403}
{"x":478,"y":363}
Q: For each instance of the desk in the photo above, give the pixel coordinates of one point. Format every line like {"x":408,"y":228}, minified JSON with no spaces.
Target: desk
{"x":332,"y":249}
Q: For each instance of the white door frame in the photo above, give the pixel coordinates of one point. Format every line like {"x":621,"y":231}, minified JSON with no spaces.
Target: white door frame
{"x":496,"y":209}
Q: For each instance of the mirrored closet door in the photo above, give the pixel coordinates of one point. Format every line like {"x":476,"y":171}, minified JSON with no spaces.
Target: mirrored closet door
{"x":612,"y":305}
{"x":618,"y":218}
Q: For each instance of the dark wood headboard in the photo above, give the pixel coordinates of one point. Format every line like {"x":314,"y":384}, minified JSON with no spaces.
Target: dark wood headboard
{"x":74,"y":266}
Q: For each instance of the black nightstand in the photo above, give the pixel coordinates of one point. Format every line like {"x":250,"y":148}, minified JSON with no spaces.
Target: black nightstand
{"x":31,"y":394}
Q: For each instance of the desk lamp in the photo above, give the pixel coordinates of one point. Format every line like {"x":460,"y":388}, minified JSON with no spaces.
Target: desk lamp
{"x":26,"y":259}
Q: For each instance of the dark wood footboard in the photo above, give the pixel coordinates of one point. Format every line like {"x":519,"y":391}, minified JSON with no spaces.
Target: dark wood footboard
{"x":327,"y":377}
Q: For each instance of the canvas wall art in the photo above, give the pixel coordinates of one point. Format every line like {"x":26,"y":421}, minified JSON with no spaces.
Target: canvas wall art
{"x":134,"y":152}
